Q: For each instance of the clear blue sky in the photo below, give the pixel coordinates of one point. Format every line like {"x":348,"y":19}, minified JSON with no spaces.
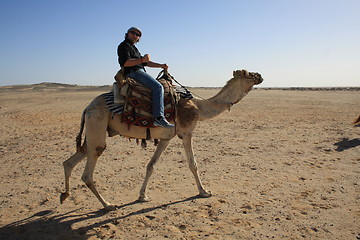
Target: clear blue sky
{"x":304,"y":43}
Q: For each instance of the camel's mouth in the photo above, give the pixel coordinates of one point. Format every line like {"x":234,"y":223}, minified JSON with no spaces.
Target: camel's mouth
{"x":257,"y":78}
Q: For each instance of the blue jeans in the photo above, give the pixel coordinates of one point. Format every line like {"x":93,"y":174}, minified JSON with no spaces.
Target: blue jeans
{"x":156,"y":88}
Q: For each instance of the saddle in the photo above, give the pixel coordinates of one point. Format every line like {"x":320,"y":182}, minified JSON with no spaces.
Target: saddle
{"x":137,"y":102}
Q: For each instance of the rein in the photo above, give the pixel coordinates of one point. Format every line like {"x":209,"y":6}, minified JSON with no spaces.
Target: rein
{"x":164,"y":72}
{"x":172,"y":78}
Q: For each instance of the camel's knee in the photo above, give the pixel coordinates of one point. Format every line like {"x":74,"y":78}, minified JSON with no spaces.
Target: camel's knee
{"x":151,"y":164}
{"x":193,"y":166}
{"x":100,"y":150}
{"x":88,"y":180}
{"x":70,"y":163}
{"x":150,"y":167}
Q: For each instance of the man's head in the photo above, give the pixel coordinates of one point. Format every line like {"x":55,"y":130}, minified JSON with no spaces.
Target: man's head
{"x":133,"y":34}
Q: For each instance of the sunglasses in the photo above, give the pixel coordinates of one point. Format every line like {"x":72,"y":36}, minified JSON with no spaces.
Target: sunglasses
{"x":135,"y":33}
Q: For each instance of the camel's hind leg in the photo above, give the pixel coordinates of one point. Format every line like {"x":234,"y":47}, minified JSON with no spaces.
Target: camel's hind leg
{"x":96,"y":126}
{"x":87,"y":177}
{"x":193,"y":165}
{"x":150,"y":168}
{"x":68,"y":167}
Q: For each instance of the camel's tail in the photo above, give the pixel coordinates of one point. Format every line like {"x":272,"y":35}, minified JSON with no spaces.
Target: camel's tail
{"x":357,"y":120}
{"x":78,"y":137}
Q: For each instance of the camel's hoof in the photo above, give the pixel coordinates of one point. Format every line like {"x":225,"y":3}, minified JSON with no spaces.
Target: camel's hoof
{"x":63,"y":196}
{"x":110,"y":207}
{"x":205,"y":194}
{"x":144,"y":199}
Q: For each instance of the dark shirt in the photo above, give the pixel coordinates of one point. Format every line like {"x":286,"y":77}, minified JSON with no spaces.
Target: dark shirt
{"x":125,"y":51}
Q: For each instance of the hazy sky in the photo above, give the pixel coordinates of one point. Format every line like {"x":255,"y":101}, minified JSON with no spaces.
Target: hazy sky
{"x":303,"y":43}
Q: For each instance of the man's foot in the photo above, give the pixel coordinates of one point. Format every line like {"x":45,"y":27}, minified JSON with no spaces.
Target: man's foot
{"x":162,"y":122}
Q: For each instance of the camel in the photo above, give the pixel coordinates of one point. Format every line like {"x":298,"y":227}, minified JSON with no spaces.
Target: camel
{"x":98,"y":120}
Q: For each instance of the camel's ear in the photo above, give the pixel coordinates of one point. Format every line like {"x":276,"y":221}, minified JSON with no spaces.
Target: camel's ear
{"x":245,"y":73}
{"x":241,"y":73}
{"x":237,"y":73}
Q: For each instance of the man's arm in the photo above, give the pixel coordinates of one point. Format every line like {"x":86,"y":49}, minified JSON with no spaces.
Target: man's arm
{"x":145,"y":59}
{"x":133,"y":62}
{"x":157,"y":65}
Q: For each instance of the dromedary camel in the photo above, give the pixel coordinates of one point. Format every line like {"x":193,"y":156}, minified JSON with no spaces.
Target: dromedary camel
{"x":98,"y":120}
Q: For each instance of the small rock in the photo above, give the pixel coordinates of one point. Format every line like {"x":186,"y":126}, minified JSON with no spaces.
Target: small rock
{"x":150,"y":217}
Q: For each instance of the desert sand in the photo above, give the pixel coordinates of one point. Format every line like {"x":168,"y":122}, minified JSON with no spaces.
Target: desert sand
{"x":281,"y":165}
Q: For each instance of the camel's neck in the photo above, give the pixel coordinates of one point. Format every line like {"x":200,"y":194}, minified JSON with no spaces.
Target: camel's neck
{"x":228,"y":95}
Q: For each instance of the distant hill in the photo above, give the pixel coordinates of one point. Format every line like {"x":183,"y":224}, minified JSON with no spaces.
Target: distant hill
{"x":48,"y":86}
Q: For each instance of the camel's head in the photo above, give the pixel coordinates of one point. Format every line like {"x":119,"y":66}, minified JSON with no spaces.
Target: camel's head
{"x":247,"y":79}
{"x":250,"y":76}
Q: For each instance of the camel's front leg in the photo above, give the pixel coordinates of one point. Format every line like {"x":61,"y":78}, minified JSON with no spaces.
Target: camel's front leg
{"x":193,"y":166}
{"x":150,"y":168}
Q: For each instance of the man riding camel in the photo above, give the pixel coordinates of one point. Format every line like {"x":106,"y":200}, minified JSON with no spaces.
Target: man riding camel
{"x":133,"y":63}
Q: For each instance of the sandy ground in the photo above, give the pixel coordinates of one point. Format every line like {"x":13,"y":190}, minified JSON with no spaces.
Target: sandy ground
{"x":281,"y":165}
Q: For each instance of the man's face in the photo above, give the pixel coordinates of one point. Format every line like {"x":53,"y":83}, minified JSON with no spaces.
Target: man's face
{"x":133,"y":36}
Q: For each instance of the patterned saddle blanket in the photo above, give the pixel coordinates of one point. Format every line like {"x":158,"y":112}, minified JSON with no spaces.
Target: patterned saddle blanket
{"x":136,"y":108}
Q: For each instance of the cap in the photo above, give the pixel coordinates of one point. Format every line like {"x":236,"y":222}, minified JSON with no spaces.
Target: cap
{"x":135,"y":29}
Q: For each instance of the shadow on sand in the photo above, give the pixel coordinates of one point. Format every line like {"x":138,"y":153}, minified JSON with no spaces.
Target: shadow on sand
{"x":49,"y":225}
{"x":345,"y":144}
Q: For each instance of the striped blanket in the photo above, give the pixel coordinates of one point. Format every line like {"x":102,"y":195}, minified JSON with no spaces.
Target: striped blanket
{"x":113,"y":107}
{"x":137,"y":107}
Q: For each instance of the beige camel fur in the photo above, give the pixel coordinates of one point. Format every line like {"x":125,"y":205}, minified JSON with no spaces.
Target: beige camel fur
{"x":97,"y":120}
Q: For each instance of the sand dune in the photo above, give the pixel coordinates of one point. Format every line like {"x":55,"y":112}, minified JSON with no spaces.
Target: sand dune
{"x":280,"y":164}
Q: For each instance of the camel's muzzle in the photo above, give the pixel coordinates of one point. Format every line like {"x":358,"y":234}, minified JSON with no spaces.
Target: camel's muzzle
{"x":258,"y":79}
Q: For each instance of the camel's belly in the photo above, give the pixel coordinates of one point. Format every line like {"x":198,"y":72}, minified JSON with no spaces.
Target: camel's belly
{"x":139,"y":132}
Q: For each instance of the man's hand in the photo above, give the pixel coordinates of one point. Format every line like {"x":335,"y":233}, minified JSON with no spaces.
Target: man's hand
{"x":154,"y":64}
{"x":146,"y":58}
{"x":164,"y":66}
